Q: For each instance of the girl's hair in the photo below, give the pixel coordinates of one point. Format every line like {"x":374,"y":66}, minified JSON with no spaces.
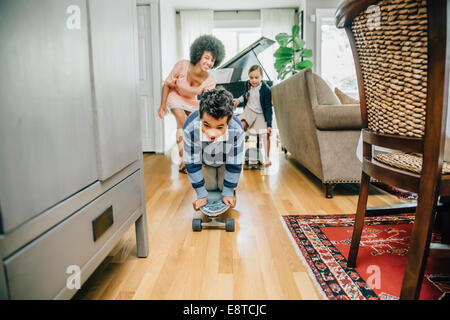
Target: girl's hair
{"x":253,"y":68}
{"x":207,"y":43}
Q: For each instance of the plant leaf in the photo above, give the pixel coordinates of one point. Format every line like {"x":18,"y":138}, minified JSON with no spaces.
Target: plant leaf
{"x":283,"y":52}
{"x":295,"y":30}
{"x":307,"y":53}
{"x":283,"y":62}
{"x":284,"y":73}
{"x":282,"y":39}
{"x":298,"y":43}
{"x":303,"y":65}
{"x":281,"y":68}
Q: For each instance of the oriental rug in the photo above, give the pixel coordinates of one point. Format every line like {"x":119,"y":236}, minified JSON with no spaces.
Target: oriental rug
{"x":323,"y":242}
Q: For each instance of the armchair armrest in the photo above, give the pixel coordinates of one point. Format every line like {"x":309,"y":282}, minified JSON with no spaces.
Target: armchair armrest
{"x":337,"y":117}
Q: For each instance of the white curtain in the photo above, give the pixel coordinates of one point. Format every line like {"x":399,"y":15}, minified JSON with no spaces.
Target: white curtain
{"x":274,"y":21}
{"x":194,"y":23}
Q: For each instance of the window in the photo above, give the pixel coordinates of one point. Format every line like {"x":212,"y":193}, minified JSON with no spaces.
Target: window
{"x":334,"y":57}
{"x":236,"y":39}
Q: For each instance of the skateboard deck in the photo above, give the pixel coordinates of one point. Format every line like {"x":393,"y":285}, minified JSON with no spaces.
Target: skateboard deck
{"x":214,"y":205}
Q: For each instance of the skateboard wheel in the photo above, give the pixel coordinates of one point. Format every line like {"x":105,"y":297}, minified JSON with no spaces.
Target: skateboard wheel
{"x":229,"y":225}
{"x":197,"y":224}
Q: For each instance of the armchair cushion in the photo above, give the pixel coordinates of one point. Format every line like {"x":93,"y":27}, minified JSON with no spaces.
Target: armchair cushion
{"x":345,"y":99}
{"x":325,"y":96}
{"x":337,"y":117}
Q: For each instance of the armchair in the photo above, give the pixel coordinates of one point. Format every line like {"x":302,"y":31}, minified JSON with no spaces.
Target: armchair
{"x":319,"y":132}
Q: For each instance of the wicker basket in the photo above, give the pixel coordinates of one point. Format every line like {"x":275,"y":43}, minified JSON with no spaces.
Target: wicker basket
{"x":407,"y":161}
{"x":392,"y":50}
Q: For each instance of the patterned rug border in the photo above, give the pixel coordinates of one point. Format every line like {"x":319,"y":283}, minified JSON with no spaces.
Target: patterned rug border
{"x":342,"y":217}
{"x":302,"y":258}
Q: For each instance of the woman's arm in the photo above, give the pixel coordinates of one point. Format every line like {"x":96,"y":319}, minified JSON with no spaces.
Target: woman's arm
{"x":170,"y":82}
{"x":163,"y":106}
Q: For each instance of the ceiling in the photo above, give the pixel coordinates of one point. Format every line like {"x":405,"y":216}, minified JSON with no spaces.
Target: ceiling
{"x":234,"y":4}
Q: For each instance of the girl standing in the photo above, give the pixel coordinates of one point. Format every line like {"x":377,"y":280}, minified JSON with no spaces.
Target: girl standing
{"x":258,"y":111}
{"x":188,"y":79}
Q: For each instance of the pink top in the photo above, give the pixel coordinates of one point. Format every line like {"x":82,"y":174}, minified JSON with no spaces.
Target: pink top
{"x":180,"y":91}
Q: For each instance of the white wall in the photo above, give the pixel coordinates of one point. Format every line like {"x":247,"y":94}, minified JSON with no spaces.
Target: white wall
{"x":310,"y":27}
{"x":237,"y":19}
{"x":169,"y":48}
{"x":178,"y":37}
{"x":169,"y":56}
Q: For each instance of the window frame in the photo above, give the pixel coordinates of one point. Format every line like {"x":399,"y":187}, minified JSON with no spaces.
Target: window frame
{"x":239,"y":31}
{"x":320,"y":14}
{"x":328,"y":13}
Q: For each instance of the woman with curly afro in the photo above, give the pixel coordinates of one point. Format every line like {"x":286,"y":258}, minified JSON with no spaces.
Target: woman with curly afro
{"x":187,"y":80}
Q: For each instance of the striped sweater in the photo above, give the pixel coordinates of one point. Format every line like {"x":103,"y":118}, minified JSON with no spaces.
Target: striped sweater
{"x":199,"y":152}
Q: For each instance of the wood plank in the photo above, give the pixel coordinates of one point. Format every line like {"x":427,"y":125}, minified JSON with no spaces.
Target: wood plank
{"x":306,"y":286}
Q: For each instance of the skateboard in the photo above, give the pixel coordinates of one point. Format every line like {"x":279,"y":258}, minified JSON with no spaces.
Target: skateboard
{"x":213,"y":209}
{"x":253,"y":154}
{"x":253,"y":158}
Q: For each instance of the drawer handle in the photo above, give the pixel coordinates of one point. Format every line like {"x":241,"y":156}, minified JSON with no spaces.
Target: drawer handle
{"x":102,"y":223}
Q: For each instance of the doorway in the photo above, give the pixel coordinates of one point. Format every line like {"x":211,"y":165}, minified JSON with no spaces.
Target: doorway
{"x":149,"y":76}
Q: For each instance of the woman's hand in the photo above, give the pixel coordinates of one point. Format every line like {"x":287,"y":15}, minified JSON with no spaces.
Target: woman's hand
{"x":197,"y":204}
{"x":236,"y":103}
{"x":162,"y":111}
{"x":269,"y":131}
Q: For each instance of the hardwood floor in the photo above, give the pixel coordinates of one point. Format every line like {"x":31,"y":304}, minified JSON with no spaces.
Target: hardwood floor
{"x":257,"y":261}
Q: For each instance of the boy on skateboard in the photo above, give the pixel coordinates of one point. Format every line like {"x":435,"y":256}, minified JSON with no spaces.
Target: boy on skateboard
{"x":213,"y":147}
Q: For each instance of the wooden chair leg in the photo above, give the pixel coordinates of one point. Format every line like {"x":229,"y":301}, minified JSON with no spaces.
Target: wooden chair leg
{"x":359,"y":220}
{"x":418,"y":248}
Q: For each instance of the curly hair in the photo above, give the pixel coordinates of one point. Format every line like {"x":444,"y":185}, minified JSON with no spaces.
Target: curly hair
{"x":207,"y":43}
{"x":217,"y":102}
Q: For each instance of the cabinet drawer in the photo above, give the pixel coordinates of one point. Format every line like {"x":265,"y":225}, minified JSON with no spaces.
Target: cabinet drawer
{"x":38,"y":271}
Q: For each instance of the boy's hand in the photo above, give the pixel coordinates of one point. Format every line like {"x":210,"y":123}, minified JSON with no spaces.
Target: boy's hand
{"x":235,"y":102}
{"x":229,"y":200}
{"x":269,"y":131}
{"x":197,"y":204}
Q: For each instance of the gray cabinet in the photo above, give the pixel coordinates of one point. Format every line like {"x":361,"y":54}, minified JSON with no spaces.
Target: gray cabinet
{"x":113,"y":34}
{"x":47,"y":145}
{"x":71,"y":243}
{"x":71,"y":174}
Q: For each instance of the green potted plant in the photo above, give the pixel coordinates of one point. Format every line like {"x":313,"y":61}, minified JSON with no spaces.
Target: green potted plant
{"x":288,"y":57}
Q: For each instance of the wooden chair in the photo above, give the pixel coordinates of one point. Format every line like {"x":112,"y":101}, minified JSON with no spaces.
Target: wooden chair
{"x":401,"y":56}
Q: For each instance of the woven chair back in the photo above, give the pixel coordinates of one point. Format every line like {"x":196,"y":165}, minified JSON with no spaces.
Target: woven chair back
{"x":391,"y":43}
